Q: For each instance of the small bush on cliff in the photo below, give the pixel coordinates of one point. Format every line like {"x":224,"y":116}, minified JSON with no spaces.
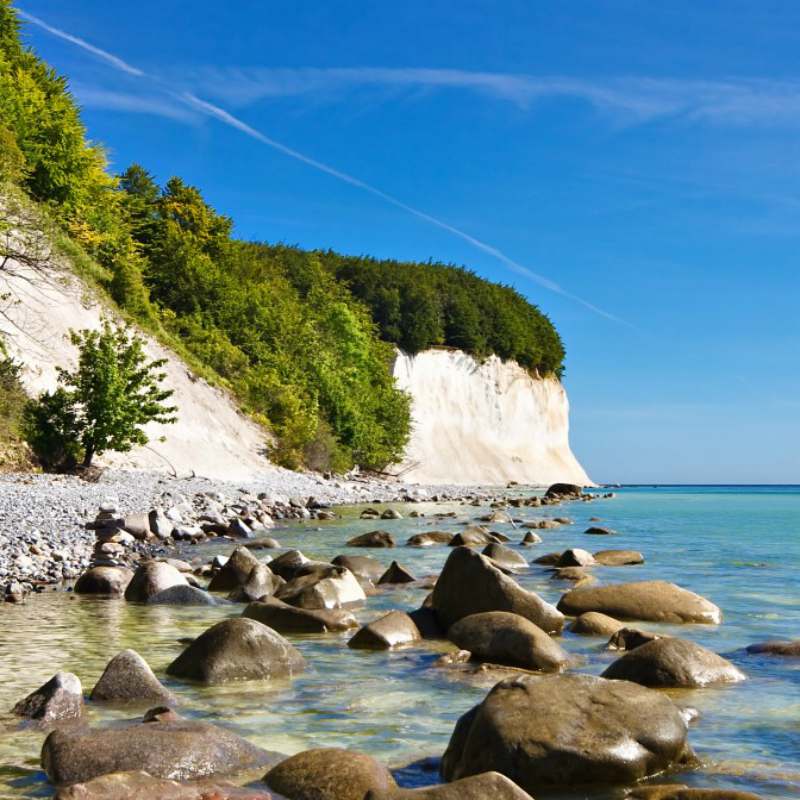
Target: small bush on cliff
{"x":13,"y":453}
{"x":102,"y":405}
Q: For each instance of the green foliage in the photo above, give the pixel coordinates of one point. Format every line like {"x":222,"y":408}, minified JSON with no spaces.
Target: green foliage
{"x":103,"y":404}
{"x":12,"y":405}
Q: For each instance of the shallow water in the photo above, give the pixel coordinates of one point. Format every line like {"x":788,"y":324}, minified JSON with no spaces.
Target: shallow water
{"x":738,"y":546}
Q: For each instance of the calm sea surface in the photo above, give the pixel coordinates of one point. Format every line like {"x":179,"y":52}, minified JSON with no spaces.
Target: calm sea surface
{"x":738,"y":546}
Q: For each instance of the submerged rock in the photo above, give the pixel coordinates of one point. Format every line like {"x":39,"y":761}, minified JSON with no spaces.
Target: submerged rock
{"x":657,"y":601}
{"x":567,"y":730}
{"x":392,"y":629}
{"x":470,"y":584}
{"x":237,"y":649}
{"x":151,"y":578}
{"x":128,"y":678}
{"x":596,"y":530}
{"x":177,"y":749}
{"x":776,"y":648}
{"x":630,"y":639}
{"x":430,"y":539}
{"x":104,"y":580}
{"x":329,"y":774}
{"x":486,"y":786}
{"x":183,"y":596}
{"x":313,"y":591}
{"x":618,"y":558}
{"x":361,"y":566}
{"x":61,"y":698}
{"x":671,"y":662}
{"x":507,"y":639}
{"x":372,"y":539}
{"x":676,"y":791}
{"x":284,"y":618}
{"x":593,"y":623}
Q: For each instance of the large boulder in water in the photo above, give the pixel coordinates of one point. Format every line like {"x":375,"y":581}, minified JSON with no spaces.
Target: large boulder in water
{"x":776,"y":648}
{"x":563,"y":491}
{"x":486,"y":786}
{"x":471,"y":584}
{"x":678,"y":791}
{"x":504,"y":556}
{"x":618,"y":558}
{"x":284,"y":618}
{"x":104,"y":580}
{"x":329,"y":774}
{"x":361,"y":566}
{"x":151,"y":578}
{"x":593,"y":623}
{"x":128,"y":678}
{"x":392,"y":629}
{"x":567,"y":730}
{"x":339,"y":588}
{"x":134,"y":785}
{"x":508,"y":639}
{"x":671,"y":662}
{"x":177,"y":749}
{"x":656,"y":601}
{"x":183,"y":596}
{"x":237,"y":649}
{"x":429,"y":539}
{"x":372,"y":539}
{"x":235,"y":571}
{"x":59,"y":699}
{"x":261,"y":582}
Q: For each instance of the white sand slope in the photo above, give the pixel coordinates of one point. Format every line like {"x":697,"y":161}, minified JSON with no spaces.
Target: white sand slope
{"x":211,"y":437}
{"x":484,"y":423}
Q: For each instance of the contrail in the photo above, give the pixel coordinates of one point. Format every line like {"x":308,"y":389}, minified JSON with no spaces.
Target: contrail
{"x":211,"y":110}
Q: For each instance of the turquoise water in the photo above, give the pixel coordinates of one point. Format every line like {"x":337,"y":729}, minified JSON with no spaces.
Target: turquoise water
{"x":739,"y":546}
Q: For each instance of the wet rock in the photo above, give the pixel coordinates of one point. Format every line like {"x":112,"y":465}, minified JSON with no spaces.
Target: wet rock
{"x":183,"y":596}
{"x":675,"y":791}
{"x":180,"y":750}
{"x":267,"y":543}
{"x":776,"y":648}
{"x":430,"y":539}
{"x":104,"y":580}
{"x":391,"y":513}
{"x":563,"y":491}
{"x":361,"y":566}
{"x":235,"y":572}
{"x":370,"y":513}
{"x":61,"y":698}
{"x":240,"y":529}
{"x":592,"y":623}
{"x":470,"y":584}
{"x":541,"y":524}
{"x":630,"y":639}
{"x":618,"y":558}
{"x":575,"y":557}
{"x":136,"y":785}
{"x":311,"y":591}
{"x":329,"y":774}
{"x":567,"y":730}
{"x":596,"y":530}
{"x":128,"y":678}
{"x":284,"y":618}
{"x":287,"y":564}
{"x":396,"y":574}
{"x":548,"y":559}
{"x":473,"y":536}
{"x":261,"y":582}
{"x":486,"y":786}
{"x":578,"y":574}
{"x":151,"y":578}
{"x":393,"y":629}
{"x":372,"y":539}
{"x":507,"y":639}
{"x":427,"y":623}
{"x":531,"y":538}
{"x":497,"y":517}
{"x":237,"y":649}
{"x":672,"y":662}
{"x":504,"y":556}
{"x":656,"y":601}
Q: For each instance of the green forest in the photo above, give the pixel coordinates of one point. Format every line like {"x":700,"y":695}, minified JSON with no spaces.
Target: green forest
{"x":304,"y":339}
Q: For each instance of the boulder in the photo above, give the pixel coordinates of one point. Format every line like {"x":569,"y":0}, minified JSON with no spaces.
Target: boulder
{"x":329,"y":774}
{"x":311,"y":591}
{"x":541,"y":524}
{"x":596,"y":530}
{"x":548,"y":559}
{"x":508,"y":639}
{"x":266,"y":543}
{"x":392,"y":629}
{"x":396,"y":574}
{"x":563,"y":491}
{"x":391,"y":513}
{"x":470,"y":584}
{"x":486,"y":786}
{"x":497,"y":517}
{"x":287,"y":564}
{"x":427,"y":623}
{"x":677,"y":791}
{"x":372,"y":539}
{"x":473,"y":536}
{"x":60,"y":698}
{"x":567,"y":730}
{"x":237,"y":649}
{"x":592,"y":623}
{"x":531,"y":538}
{"x":104,"y":580}
{"x":673,"y":663}
{"x":137,"y":525}
{"x":151,"y":578}
{"x":656,"y":601}
{"x":183,"y":596}
{"x":776,"y":648}
{"x":284,"y":618}
{"x":578,"y":574}
{"x":361,"y":566}
{"x":630,"y":639}
{"x":128,"y":678}
{"x":618,"y":558}
{"x":135,"y":785}
{"x":575,"y":557}
{"x":261,"y":582}
{"x":235,"y":571}
{"x":430,"y":539}
{"x":159,"y":524}
{"x":504,"y":556}
{"x":176,"y":749}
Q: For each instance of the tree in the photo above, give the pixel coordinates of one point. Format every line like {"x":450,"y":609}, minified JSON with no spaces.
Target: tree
{"x":103,"y":404}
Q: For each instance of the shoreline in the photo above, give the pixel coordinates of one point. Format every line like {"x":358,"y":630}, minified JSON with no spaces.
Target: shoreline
{"x":44,"y":540}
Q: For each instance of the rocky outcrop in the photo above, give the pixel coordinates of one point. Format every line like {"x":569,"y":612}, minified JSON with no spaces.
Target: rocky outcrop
{"x":489,"y":422}
{"x":567,"y":730}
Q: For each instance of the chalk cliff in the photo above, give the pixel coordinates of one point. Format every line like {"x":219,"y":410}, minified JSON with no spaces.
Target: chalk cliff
{"x":484,"y":423}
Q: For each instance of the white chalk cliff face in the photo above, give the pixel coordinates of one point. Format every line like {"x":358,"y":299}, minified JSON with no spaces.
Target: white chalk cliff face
{"x":484,"y":423}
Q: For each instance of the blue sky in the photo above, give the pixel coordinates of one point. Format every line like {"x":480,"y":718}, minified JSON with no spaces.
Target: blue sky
{"x":630,"y":167}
